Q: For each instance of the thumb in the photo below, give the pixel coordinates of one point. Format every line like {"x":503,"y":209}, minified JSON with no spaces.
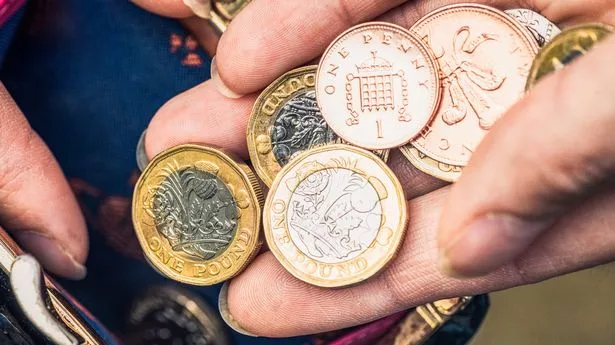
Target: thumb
{"x":549,"y":152}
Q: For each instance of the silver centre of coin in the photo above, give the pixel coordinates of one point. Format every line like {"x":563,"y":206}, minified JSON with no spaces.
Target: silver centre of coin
{"x":541,"y":28}
{"x":299,"y":126}
{"x":141,"y":157}
{"x":196,"y":212}
{"x":334,"y":215}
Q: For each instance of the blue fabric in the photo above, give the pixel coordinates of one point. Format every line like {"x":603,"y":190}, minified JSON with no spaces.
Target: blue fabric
{"x":89,"y":75}
{"x":7,"y":32}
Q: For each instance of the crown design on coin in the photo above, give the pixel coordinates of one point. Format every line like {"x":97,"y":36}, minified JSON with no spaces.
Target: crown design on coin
{"x":194,"y":210}
{"x":377,"y":91}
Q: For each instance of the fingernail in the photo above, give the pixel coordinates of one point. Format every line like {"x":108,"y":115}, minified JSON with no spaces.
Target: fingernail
{"x":140,"y":154}
{"x":222,"y":88}
{"x":487,"y":244}
{"x":51,"y":255}
{"x":201,"y":8}
{"x":226,"y":314}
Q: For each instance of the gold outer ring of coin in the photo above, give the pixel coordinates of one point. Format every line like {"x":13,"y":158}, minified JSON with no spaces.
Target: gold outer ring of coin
{"x":264,"y":115}
{"x":430,"y":166}
{"x":351,"y":269}
{"x":576,"y":39}
{"x":242,"y":185}
{"x":223,"y":12}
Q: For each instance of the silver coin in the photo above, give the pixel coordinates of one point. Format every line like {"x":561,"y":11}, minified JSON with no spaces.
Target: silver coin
{"x":142,"y":160}
{"x":540,"y":27}
{"x":168,"y":315}
{"x":350,"y":222}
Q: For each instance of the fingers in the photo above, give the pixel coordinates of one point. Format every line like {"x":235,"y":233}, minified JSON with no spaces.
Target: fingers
{"x":550,"y":151}
{"x":270,"y":37}
{"x":36,"y":204}
{"x":414,"y":181}
{"x":200,"y":115}
{"x":286,"y":306}
{"x":204,"y":32}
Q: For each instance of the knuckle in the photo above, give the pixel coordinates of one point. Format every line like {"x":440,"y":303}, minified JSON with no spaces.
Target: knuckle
{"x":566,"y":178}
{"x":344,"y":13}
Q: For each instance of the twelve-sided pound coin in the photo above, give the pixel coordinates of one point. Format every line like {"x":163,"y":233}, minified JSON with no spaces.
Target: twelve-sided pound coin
{"x":335,"y":216}
{"x":286,"y":121}
{"x":196,"y":212}
{"x":569,"y":45}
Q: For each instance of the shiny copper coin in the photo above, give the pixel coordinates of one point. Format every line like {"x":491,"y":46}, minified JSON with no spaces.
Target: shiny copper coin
{"x":377,"y":85}
{"x":196,"y":212}
{"x":335,"y":216}
{"x":430,"y":166}
{"x":565,"y":48}
{"x":485,"y":57}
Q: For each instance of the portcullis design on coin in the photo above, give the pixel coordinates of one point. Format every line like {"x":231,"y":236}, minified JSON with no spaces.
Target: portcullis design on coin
{"x":196,"y":213}
{"x":285,"y":121}
{"x":485,"y":57}
{"x":377,"y":85}
{"x":335,"y":216}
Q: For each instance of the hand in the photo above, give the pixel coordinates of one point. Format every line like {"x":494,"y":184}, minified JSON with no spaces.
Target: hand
{"x":537,"y":185}
{"x":36,"y":204}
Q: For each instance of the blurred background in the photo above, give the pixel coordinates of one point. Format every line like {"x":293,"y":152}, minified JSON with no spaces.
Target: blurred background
{"x":575,"y":309}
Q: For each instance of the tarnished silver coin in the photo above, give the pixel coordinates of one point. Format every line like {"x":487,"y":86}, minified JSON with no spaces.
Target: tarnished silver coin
{"x":168,"y":315}
{"x":141,"y":157}
{"x":541,"y":28}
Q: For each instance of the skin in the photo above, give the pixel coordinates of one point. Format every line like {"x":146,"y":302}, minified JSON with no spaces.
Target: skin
{"x":36,"y":203}
{"x":550,"y":159}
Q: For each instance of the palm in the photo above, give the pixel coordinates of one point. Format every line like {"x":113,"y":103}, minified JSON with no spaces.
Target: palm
{"x":260,"y":45}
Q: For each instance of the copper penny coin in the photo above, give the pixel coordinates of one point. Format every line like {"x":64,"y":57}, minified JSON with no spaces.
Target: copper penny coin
{"x":377,"y":85}
{"x":485,"y":57}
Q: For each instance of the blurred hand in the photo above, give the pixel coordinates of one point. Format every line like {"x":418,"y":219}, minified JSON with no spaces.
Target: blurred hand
{"x":535,"y":201}
{"x":36,"y":204}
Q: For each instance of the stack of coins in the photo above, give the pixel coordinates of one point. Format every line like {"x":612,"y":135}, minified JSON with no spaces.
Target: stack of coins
{"x":319,"y":136}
